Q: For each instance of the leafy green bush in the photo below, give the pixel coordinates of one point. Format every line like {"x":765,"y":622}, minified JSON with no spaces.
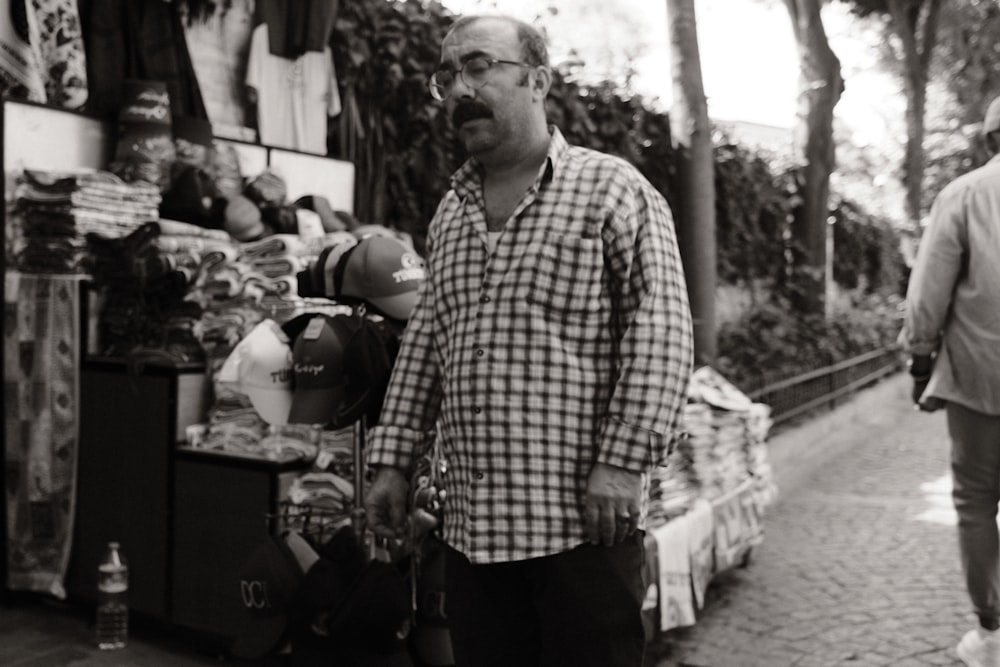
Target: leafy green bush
{"x":866,"y":250}
{"x":402,"y":145}
{"x":772,"y":342}
{"x":753,"y":211}
{"x":598,"y":117}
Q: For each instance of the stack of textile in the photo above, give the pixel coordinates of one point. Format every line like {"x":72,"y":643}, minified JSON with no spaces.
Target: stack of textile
{"x":326,"y":491}
{"x":54,"y":212}
{"x":237,"y":290}
{"x":239,"y":286}
{"x":272,"y":264}
{"x":144,"y":280}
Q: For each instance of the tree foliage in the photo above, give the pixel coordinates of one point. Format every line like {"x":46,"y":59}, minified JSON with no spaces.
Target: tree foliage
{"x":767,"y":344}
{"x":385,"y":53}
{"x":914,"y":28}
{"x":962,"y":78}
{"x":404,"y":149}
{"x":867,"y":255}
{"x":967,"y":62}
{"x":754,"y":206}
{"x":965,"y":78}
{"x":400,"y":142}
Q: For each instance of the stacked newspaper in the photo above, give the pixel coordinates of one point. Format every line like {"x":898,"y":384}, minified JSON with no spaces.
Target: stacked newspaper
{"x":723,"y":444}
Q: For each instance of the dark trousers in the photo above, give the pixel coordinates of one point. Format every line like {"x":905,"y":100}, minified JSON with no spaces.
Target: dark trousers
{"x":975,"y":470}
{"x":578,"y":608}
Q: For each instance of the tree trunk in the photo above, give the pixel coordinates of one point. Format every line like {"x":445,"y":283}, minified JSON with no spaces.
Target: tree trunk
{"x":913,"y":160}
{"x":917,"y":30}
{"x":820,"y":87}
{"x":696,"y":211}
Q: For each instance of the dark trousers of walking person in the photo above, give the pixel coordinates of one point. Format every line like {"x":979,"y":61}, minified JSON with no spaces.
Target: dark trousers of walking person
{"x":578,"y":608}
{"x":975,"y":466}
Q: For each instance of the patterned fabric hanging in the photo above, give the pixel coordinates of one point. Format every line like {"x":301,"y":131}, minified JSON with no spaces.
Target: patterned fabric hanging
{"x":41,"y":386}
{"x":57,"y":40}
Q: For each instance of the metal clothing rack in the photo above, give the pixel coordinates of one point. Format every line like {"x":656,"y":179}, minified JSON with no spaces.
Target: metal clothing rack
{"x":318,"y":524}
{"x":359,"y":521}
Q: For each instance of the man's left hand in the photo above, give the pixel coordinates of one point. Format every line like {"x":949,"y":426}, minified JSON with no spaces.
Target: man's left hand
{"x":612,"y":504}
{"x":921,"y":366}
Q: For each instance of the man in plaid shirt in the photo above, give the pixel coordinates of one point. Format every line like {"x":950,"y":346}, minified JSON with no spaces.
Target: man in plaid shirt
{"x":549,"y":352}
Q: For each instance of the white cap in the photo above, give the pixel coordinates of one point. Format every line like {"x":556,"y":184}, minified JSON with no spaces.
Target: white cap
{"x":260,"y":367}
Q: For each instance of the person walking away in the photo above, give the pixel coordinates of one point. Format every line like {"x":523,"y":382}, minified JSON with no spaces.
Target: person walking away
{"x":549,"y":352}
{"x":951,"y":330}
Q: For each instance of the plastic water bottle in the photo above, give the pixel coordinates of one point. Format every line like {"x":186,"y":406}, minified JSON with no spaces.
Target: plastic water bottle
{"x":112,"y":599}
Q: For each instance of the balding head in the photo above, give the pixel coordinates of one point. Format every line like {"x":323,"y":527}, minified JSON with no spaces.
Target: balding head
{"x":532,"y":42}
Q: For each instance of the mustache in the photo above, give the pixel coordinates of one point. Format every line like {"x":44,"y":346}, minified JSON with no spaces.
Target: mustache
{"x":466,"y":111}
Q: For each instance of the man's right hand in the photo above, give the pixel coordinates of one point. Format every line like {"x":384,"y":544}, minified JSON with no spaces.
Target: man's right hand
{"x":919,"y":385}
{"x":385,"y":504}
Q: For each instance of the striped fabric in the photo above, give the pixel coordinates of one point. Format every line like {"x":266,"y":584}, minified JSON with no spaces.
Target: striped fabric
{"x":569,"y":345}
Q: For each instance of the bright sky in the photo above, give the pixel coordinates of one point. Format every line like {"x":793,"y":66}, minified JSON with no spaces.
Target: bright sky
{"x":748,"y":54}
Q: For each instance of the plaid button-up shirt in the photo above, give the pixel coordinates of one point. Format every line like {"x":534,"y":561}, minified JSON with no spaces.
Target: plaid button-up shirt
{"x":570,"y":344}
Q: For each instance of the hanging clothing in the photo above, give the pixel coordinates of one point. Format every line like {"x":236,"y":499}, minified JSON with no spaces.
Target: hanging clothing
{"x":20,"y":69}
{"x":297,"y":27}
{"x":41,"y":380}
{"x":57,"y":40}
{"x":139,"y":39}
{"x":294,"y":97}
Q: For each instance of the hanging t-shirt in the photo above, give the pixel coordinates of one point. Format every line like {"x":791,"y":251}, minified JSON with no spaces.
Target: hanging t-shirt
{"x":294,"y":96}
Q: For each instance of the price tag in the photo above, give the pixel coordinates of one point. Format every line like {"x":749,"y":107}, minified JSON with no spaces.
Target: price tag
{"x":324,"y":459}
{"x":314,"y":328}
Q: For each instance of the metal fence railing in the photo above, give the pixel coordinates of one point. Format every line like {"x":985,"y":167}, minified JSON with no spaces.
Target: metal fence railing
{"x":793,"y":396}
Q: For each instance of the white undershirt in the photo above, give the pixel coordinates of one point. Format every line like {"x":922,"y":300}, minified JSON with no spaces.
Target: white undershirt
{"x":491,"y":240}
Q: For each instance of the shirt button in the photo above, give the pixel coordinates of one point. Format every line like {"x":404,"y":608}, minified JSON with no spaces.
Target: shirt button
{"x":477,"y":409}
{"x":484,"y":299}
{"x":480,"y":353}
{"x":479,"y":474}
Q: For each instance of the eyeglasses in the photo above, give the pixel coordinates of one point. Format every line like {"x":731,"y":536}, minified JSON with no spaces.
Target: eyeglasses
{"x":475,"y":72}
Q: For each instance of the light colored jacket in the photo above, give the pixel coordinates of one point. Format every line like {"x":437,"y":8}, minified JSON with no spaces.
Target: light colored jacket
{"x":953,"y":297}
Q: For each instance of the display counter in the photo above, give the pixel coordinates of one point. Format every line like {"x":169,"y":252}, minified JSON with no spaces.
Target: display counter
{"x":131,"y":419}
{"x":224,"y":506}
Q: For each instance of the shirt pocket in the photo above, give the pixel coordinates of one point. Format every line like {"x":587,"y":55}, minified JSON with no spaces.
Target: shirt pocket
{"x":565,"y":274}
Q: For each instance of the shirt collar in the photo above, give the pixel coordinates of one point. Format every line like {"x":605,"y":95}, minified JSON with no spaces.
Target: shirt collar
{"x":468,"y":177}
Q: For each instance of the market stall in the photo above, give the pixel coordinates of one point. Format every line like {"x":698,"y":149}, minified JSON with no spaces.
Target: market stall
{"x":92,"y":394}
{"x":197,"y":334}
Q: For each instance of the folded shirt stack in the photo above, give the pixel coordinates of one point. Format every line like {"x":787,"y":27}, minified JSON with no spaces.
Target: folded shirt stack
{"x":54,"y":213}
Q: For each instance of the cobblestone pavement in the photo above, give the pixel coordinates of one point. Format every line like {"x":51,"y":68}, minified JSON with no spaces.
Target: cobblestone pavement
{"x":859,"y":564}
